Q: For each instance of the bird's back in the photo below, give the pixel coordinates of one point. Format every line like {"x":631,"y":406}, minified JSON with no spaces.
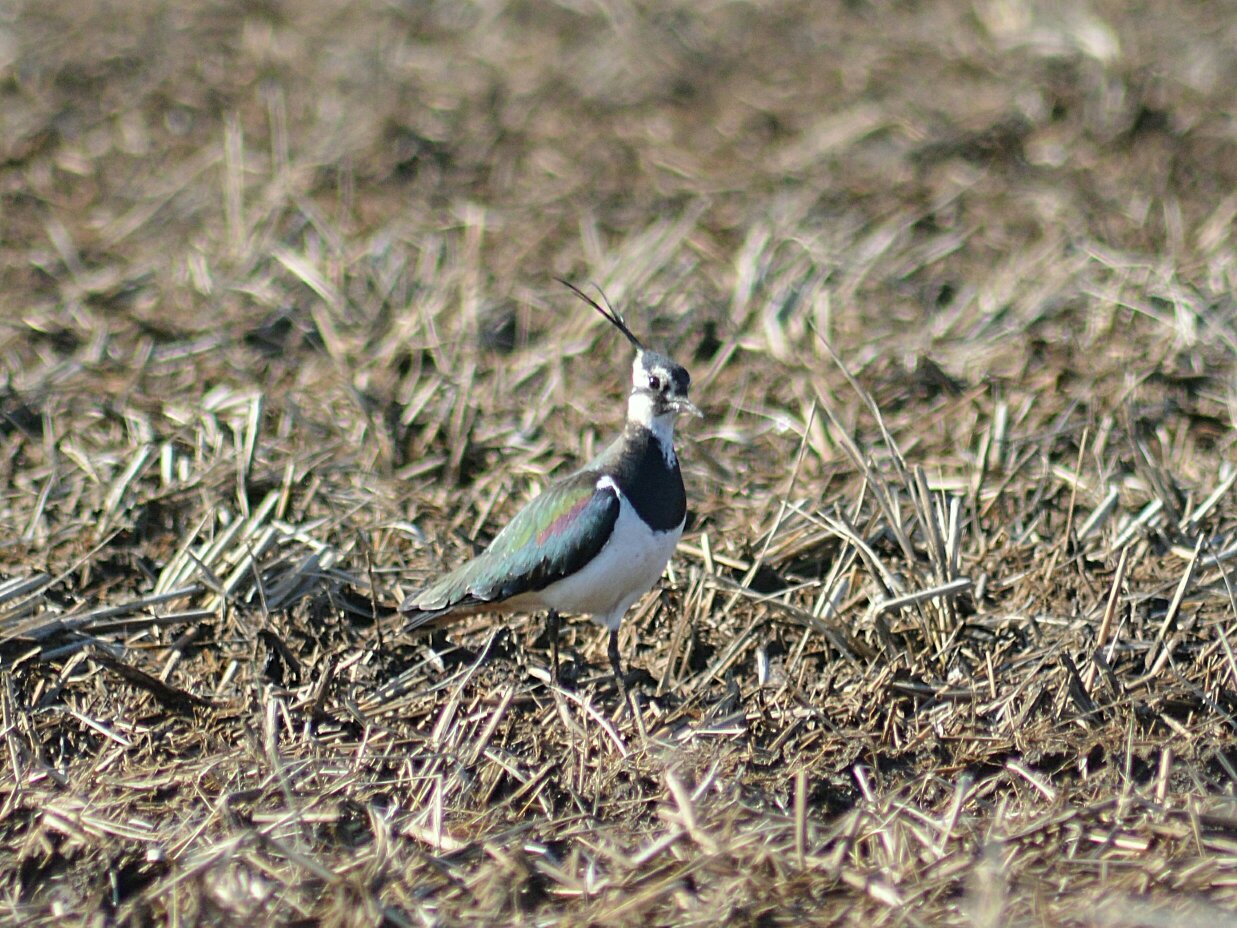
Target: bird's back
{"x":563,"y":529}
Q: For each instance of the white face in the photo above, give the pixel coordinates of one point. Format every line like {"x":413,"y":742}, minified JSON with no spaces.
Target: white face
{"x":646,"y":409}
{"x":658,"y":393}
{"x":642,"y":408}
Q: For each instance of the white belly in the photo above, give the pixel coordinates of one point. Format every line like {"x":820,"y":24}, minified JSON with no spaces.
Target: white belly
{"x":623,"y":571}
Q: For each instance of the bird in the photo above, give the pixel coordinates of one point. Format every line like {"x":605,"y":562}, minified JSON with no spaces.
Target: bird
{"x":594,"y":541}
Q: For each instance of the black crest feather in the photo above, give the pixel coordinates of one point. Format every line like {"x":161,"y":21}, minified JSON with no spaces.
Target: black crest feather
{"x":611,"y":314}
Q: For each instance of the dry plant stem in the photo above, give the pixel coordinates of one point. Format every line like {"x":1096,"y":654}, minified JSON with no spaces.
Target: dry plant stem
{"x":949,"y":639}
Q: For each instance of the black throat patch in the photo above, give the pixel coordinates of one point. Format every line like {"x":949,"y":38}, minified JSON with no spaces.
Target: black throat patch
{"x":652,"y":486}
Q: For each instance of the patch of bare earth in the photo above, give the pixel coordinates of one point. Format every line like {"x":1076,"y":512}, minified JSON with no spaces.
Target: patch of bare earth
{"x":950,"y":638}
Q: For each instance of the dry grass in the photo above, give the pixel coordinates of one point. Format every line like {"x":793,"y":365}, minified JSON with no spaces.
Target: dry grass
{"x":951,"y":639}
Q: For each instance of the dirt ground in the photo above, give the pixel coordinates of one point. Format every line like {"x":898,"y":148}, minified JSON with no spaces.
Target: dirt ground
{"x":949,"y":639}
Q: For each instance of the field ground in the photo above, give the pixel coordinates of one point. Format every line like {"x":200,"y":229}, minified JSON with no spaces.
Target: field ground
{"x":950,"y":637}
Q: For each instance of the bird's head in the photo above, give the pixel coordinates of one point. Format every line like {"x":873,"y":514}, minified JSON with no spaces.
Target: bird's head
{"x":659,"y":385}
{"x":658,"y":389}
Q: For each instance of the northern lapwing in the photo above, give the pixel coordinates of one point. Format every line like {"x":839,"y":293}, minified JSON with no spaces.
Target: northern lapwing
{"x":595,"y":541}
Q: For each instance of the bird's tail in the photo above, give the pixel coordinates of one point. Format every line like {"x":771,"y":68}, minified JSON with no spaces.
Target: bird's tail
{"x":425,"y":608}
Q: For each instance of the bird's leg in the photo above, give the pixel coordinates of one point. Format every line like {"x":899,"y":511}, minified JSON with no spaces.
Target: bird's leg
{"x":551,"y":622}
{"x":616,"y":664}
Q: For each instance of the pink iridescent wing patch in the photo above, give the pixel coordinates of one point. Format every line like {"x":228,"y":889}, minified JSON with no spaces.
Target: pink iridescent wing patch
{"x":563,"y":521}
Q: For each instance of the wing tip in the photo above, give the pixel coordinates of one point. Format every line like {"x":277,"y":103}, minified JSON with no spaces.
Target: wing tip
{"x":417,"y":612}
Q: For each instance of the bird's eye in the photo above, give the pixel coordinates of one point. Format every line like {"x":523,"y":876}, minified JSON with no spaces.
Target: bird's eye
{"x":654,"y":382}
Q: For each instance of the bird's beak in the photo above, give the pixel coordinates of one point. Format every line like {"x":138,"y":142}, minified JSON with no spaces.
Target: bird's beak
{"x":683,"y":404}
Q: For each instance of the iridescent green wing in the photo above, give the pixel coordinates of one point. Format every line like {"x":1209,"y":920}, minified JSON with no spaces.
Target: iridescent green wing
{"x":552,"y":537}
